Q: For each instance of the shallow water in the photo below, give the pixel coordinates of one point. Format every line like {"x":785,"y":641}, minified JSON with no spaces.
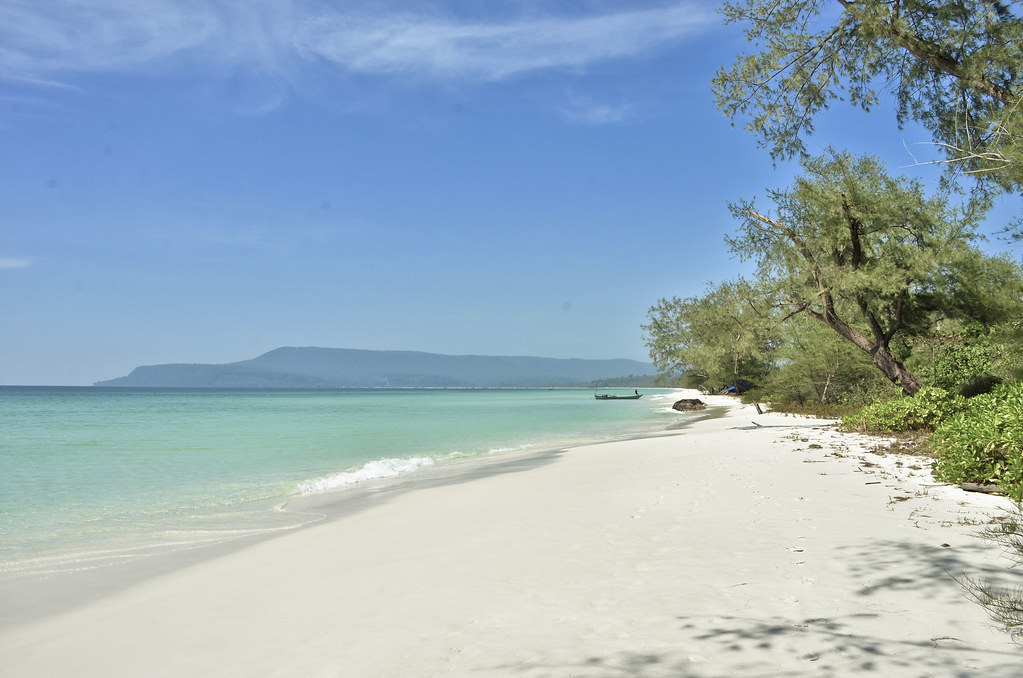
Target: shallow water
{"x":92,"y":475}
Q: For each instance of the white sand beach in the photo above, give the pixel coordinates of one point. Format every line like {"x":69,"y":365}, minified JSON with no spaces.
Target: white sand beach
{"x":748,"y":545}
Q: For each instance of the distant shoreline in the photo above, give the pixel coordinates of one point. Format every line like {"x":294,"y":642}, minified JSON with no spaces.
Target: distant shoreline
{"x":314,"y":367}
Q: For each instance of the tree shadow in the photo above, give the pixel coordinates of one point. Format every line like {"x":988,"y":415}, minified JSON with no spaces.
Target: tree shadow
{"x":858,"y":643}
{"x":891,"y":565}
{"x":840,"y":646}
{"x":728,"y":646}
{"x":617,"y":665}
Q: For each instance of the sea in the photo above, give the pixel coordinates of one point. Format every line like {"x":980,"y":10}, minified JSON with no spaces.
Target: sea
{"x":94,"y":476}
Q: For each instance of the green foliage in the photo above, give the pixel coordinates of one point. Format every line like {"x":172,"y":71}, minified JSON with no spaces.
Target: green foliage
{"x":817,"y":367}
{"x":855,"y":271}
{"x":869,"y":256}
{"x":951,"y":66}
{"x":713,"y":341}
{"x":987,"y":292}
{"x":971,"y":358}
{"x":984,"y":443}
{"x":962,"y":365}
{"x":922,"y":412}
{"x":1009,"y":336}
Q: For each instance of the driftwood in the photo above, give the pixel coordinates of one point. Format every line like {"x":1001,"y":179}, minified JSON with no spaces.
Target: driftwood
{"x":985,"y":489}
{"x":688,"y":405}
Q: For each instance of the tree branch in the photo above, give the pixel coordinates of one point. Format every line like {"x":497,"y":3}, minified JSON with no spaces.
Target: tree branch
{"x":932,"y":55}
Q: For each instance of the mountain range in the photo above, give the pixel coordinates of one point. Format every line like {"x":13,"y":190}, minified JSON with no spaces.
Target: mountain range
{"x":311,"y":367}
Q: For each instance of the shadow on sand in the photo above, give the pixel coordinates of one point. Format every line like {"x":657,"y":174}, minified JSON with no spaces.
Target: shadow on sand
{"x":832,"y":645}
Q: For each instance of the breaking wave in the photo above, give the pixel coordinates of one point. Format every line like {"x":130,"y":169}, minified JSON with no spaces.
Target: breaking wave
{"x":380,"y":468}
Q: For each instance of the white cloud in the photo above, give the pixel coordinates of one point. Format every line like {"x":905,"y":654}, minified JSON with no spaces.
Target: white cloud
{"x":589,"y":112}
{"x":491,"y":51}
{"x":14,"y":262}
{"x":47,"y":39}
{"x":59,"y":36}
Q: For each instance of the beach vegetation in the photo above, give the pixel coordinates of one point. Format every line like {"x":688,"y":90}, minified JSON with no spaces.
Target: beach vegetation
{"x":854,"y":271}
{"x":868,"y":255}
{"x":817,"y":370}
{"x":895,"y":273}
{"x":976,"y":440}
{"x":953,"y":67}
{"x":983,"y":443}
{"x":723,"y":338}
{"x":922,"y":412}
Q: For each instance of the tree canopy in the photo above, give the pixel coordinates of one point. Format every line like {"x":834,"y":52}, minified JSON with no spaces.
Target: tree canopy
{"x":854,"y":269}
{"x":956,"y":67}
{"x":866,"y":255}
{"x":719,"y":339}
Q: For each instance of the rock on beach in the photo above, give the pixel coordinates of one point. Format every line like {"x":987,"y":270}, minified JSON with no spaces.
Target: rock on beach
{"x":689,"y":405}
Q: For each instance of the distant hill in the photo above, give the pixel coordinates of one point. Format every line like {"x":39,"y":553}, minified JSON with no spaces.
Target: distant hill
{"x":291,"y":367}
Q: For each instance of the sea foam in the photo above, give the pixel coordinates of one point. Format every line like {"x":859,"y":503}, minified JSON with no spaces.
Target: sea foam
{"x":380,"y":468}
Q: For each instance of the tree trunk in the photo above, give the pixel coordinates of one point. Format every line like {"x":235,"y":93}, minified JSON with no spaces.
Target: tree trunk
{"x":827,"y":384}
{"x":895,"y":370}
{"x":877,"y":350}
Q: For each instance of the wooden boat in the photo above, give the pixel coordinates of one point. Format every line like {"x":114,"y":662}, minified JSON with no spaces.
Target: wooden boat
{"x":612,"y":396}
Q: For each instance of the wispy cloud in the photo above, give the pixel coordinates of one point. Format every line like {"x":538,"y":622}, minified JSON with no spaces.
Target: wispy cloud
{"x":47,"y":40}
{"x":446,"y":48}
{"x":49,"y":37}
{"x":587,"y":111}
{"x":14,"y":262}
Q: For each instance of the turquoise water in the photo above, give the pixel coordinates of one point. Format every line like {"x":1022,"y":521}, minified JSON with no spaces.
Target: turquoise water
{"x":90,"y":474}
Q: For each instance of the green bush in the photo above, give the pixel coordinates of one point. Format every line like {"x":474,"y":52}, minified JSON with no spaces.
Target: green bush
{"x":922,"y":412}
{"x":984,"y":444}
{"x":958,"y":366}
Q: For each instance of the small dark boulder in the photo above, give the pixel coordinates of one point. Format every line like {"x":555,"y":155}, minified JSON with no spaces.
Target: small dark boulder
{"x":688,"y":405}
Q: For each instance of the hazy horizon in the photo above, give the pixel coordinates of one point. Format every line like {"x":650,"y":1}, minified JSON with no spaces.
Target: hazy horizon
{"x":646,"y":362}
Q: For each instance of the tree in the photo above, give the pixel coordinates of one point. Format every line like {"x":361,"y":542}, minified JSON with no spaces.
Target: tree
{"x":720,"y":339}
{"x":976,"y":338}
{"x":956,"y":67}
{"x":815,"y":365}
{"x":870,"y":259}
{"x":867,"y":255}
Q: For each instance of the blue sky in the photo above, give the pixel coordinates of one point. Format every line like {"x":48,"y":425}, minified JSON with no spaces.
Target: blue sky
{"x":206,"y":180}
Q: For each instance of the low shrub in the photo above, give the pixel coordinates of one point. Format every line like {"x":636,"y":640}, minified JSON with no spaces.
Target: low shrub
{"x":984,"y":444}
{"x":922,"y":412}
